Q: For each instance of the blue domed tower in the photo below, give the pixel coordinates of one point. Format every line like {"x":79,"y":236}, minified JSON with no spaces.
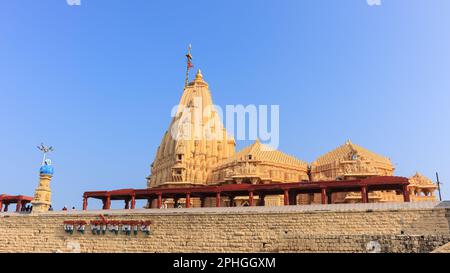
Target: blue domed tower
{"x":46,"y":169}
{"x":43,"y":195}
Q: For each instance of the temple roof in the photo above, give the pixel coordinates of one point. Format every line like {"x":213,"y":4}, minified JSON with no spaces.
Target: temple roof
{"x":261,"y":152}
{"x":345,"y":151}
{"x":421,"y":180}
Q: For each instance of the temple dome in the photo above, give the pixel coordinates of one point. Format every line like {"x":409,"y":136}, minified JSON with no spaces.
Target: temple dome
{"x":420,"y":180}
{"x":350,"y":161}
{"x":349,"y":151}
{"x":46,"y":169}
{"x":259,"y":163}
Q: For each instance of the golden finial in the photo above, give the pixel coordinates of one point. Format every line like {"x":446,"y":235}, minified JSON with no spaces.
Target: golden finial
{"x":199,"y":75}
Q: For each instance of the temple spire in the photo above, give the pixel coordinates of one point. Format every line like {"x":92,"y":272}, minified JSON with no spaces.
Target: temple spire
{"x":189,"y":65}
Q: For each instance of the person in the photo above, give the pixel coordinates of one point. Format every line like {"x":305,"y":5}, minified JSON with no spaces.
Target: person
{"x":64,"y":208}
{"x":50,"y":208}
{"x":73,"y":208}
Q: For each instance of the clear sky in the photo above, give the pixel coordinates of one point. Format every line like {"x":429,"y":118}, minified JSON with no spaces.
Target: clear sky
{"x":98,"y":81}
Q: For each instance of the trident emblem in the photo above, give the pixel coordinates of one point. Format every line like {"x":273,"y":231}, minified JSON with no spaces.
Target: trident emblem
{"x":45,"y":150}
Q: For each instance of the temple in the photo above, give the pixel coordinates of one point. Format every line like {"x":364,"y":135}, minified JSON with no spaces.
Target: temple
{"x":197,"y":165}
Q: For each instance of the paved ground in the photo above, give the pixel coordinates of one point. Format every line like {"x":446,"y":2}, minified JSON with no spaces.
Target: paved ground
{"x":278,"y":209}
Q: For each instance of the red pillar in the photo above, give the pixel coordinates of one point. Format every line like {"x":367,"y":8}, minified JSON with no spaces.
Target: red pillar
{"x":159,"y":203}
{"x":107,"y":204}
{"x":85,"y":203}
{"x":18,"y":206}
{"x":364,"y":194}
{"x":188,"y":200}
{"x":324,"y":196}
{"x":405,"y":193}
{"x":286,"y":197}
{"x":250,"y":199}
{"x":218,"y":199}
{"x":133,"y":201}
{"x":1,"y":205}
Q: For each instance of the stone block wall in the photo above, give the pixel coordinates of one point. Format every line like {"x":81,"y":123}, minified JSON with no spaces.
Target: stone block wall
{"x":398,"y":227}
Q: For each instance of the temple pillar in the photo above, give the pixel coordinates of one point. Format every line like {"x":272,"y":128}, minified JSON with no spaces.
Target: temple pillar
{"x":159,"y":203}
{"x":250,"y":199}
{"x":364,"y":194}
{"x":188,"y":200}
{"x":286,"y":197}
{"x":133,"y":201}
{"x":323,"y":196}
{"x":1,"y":205}
{"x":202,"y":201}
{"x":85,"y":202}
{"x":107,"y":202}
{"x":405,"y":193}
{"x":218,"y":199}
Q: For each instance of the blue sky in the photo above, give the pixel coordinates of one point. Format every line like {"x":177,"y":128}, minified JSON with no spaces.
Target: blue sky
{"x":98,"y":81}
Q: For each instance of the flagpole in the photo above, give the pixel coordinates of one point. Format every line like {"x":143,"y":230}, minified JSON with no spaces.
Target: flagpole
{"x":188,"y":65}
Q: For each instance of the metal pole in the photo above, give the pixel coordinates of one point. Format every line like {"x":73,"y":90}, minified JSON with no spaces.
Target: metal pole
{"x":43,"y":159}
{"x":439,"y":186}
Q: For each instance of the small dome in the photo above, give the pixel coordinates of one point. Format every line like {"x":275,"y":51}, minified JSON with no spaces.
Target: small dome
{"x":46,"y":169}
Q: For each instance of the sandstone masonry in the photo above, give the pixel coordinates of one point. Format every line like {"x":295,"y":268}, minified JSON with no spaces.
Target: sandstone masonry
{"x":393,"y":227}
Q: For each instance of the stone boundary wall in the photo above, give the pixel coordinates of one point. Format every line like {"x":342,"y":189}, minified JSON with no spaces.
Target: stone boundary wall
{"x":394,"y":227}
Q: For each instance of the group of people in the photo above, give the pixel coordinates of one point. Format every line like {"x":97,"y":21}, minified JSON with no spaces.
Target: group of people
{"x":65,"y":208}
{"x":28,"y":208}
